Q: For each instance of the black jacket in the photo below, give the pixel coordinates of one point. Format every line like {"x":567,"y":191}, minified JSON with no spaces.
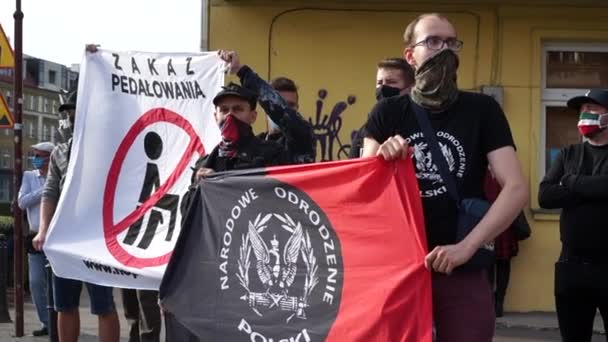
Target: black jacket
{"x":252,"y":152}
{"x":296,"y":134}
{"x":556,"y":189}
{"x":577,"y":182}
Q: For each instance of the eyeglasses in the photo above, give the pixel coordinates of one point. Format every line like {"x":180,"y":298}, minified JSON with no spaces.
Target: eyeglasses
{"x":436,"y":43}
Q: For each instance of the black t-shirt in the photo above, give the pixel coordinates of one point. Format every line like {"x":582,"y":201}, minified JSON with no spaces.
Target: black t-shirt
{"x":471,"y":128}
{"x":595,"y":160}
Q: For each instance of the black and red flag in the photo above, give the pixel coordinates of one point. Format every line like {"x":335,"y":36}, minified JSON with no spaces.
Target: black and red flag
{"x":319,"y":252}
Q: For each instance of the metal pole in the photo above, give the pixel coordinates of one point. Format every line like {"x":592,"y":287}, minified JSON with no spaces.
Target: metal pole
{"x":205,"y":25}
{"x":53,"y":337}
{"x":18,"y":215}
{"x":4,"y":316}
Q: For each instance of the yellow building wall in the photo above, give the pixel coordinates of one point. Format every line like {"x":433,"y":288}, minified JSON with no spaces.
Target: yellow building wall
{"x":335,"y":47}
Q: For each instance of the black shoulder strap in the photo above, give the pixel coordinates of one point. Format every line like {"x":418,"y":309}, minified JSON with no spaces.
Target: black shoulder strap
{"x":438,"y":157}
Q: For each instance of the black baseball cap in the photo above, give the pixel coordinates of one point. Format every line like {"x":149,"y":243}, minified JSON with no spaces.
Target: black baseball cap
{"x":597,"y":96}
{"x":233,"y":89}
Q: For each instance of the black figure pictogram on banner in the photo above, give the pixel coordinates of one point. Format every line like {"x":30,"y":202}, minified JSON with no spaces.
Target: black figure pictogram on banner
{"x":153,"y":146}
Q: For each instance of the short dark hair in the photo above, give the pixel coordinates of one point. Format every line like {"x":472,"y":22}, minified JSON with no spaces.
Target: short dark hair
{"x":399,"y":64}
{"x":283,"y":84}
{"x":408,"y":35}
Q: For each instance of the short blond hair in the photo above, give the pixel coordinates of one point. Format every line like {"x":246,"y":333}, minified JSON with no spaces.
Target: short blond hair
{"x":409,"y":37}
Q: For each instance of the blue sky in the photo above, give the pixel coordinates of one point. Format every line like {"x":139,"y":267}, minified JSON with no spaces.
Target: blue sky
{"x":57,"y":30}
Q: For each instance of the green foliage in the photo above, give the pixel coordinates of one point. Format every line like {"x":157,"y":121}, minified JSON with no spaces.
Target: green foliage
{"x":5,"y":209}
{"x":6,"y":225}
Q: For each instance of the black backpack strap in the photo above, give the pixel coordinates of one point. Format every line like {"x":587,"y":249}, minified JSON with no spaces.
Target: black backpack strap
{"x":438,"y":157}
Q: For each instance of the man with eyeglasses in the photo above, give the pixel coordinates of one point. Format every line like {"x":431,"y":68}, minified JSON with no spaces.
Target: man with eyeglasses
{"x":472,"y":132}
{"x":29,"y":198}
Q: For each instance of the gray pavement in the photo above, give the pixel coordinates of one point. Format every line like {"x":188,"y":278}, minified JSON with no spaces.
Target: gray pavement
{"x":536,"y":327}
{"x":539,"y":321}
{"x":88,"y":322}
{"x":513,"y":327}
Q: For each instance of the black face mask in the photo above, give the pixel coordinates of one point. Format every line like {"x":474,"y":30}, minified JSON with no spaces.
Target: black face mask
{"x":385,"y":91}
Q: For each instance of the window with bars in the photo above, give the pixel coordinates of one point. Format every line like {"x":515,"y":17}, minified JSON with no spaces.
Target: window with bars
{"x":6,"y":158}
{"x":46,"y":132}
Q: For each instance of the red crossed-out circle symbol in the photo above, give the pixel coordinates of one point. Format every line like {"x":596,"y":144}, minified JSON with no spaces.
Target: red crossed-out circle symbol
{"x":113,"y":229}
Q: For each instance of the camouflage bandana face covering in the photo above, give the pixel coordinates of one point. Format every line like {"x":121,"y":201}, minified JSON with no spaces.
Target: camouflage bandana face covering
{"x":435,"y":87}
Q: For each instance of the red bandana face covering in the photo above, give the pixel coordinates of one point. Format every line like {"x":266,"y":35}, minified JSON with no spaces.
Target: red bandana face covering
{"x":232,"y":130}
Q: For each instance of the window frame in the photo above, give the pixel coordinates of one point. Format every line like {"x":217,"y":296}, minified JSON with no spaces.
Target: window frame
{"x":47,"y":105}
{"x":46,"y":131}
{"x":558,"y":97}
{"x":53,"y":77}
{"x":5,"y":158}
{"x":32,"y":128}
{"x":563,"y":94}
{"x":33,"y":102}
{"x":5,"y":189}
{"x":40,"y":108}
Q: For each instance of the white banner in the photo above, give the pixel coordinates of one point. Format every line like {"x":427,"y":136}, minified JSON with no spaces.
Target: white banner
{"x":142,"y":121}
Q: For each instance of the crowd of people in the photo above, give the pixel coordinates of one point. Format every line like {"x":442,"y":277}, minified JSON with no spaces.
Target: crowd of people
{"x":416,"y":94}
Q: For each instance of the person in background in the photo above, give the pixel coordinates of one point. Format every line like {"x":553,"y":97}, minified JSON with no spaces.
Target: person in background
{"x":66,"y":292}
{"x":280,"y":101}
{"x":394,"y":77}
{"x":577,"y":183}
{"x":29,"y":200}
